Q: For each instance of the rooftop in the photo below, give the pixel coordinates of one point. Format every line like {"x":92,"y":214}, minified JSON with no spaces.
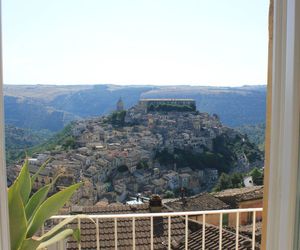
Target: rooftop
{"x":165,"y":99}
{"x":200,"y":202}
{"x":143,"y":231}
{"x":236,"y":195}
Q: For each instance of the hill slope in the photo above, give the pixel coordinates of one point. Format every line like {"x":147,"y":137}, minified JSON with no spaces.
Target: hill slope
{"x":255,"y":133}
{"x":18,"y":140}
{"x":146,"y":151}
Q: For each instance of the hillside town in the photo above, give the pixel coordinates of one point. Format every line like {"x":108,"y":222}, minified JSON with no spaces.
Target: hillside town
{"x":120,"y":155}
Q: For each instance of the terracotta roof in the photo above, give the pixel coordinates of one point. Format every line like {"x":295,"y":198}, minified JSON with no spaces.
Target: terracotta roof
{"x":200,"y":202}
{"x":142,"y":226}
{"x":247,"y":230}
{"x":142,"y":231}
{"x":236,"y":195}
{"x":212,"y":240}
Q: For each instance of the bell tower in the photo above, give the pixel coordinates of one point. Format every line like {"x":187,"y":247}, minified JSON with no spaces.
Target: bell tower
{"x":120,"y":105}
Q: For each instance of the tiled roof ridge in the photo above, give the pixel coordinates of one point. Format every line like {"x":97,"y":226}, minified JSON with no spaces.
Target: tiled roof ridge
{"x":191,"y":197}
{"x":116,"y":208}
{"x":230,"y":191}
{"x":106,"y":227}
{"x":225,"y":232}
{"x":192,"y":203}
{"x":199,"y":230}
{"x":216,"y":228}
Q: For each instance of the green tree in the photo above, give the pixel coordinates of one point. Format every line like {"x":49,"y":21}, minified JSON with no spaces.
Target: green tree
{"x":165,"y":107}
{"x":69,"y":143}
{"x":224,"y":182}
{"x":237,"y":180}
{"x":118,"y":118}
{"x":257,"y":176}
{"x":142,"y":165}
{"x":122,"y":168}
{"x":169,"y":194}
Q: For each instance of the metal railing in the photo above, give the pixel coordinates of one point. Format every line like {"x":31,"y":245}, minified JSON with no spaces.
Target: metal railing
{"x":168,"y":215}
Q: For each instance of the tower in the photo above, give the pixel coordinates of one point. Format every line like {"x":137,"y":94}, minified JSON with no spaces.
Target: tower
{"x":120,"y":105}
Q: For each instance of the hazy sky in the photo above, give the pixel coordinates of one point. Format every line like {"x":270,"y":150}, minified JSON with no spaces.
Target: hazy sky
{"x":198,"y":42}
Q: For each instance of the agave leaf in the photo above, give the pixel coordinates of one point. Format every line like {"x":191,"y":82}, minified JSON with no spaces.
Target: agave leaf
{"x":60,"y":236}
{"x":24,"y":183}
{"x":50,"y":207}
{"x":37,"y":199}
{"x":41,"y":168}
{"x":29,"y":244}
{"x":17,"y":218}
{"x":63,"y":223}
{"x":76,"y":235}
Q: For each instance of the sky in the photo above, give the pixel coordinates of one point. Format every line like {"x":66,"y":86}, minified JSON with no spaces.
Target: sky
{"x":157,"y":42}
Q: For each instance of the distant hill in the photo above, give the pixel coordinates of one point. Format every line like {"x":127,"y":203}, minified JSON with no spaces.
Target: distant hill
{"x":18,"y":140}
{"x":35,"y":115}
{"x":52,"y":107}
{"x":235,"y":106}
{"x":120,"y":151}
{"x":255,"y":133}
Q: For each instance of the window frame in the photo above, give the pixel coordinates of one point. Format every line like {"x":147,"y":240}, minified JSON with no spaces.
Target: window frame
{"x":282,"y":131}
{"x":4,"y":214}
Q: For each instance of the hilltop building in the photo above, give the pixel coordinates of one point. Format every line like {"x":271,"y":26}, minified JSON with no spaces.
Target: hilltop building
{"x":147,"y":107}
{"x":156,"y":104}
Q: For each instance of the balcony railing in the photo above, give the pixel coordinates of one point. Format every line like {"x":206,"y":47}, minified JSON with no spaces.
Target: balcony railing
{"x":168,"y":215}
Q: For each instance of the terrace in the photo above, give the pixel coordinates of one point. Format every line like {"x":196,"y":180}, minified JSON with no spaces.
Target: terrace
{"x":134,"y":227}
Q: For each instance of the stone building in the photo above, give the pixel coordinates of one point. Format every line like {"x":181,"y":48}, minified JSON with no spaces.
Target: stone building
{"x":146,"y":103}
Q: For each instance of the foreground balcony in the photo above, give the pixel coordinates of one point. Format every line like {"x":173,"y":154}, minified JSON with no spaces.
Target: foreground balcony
{"x":136,"y":228}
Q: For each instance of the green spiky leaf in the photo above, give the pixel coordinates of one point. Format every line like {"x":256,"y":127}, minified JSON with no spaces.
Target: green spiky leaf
{"x":36,"y":200}
{"x":24,"y":183}
{"x":17,"y":218}
{"x":76,"y":235}
{"x":41,"y":168}
{"x":29,"y":244}
{"x":50,"y":207}
{"x":62,"y":224}
{"x":60,"y":236}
